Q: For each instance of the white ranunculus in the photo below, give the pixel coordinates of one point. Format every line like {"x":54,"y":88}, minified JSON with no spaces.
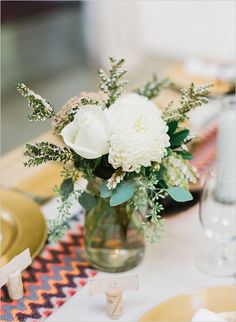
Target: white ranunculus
{"x":88,"y":134}
{"x":139,"y":134}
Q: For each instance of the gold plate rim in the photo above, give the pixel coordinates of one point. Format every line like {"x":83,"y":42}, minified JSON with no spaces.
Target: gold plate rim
{"x":181,"y":78}
{"x":145,"y":316}
{"x":21,"y":208}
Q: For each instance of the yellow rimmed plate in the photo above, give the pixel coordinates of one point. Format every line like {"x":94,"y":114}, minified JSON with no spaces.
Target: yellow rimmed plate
{"x":182,"y":79}
{"x":182,"y":308}
{"x":22,"y":226}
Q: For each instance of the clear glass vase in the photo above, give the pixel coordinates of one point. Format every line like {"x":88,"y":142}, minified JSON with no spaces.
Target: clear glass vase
{"x":114,"y":238}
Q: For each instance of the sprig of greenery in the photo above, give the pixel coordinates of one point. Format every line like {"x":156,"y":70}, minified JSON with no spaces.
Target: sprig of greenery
{"x":71,"y":172}
{"x":42,"y":152}
{"x":41,"y":109}
{"x":56,"y":229}
{"x":66,"y":194}
{"x":147,"y":192}
{"x":154,"y":195}
{"x":58,"y":226}
{"x":153,"y":87}
{"x":154,"y":229}
{"x":111,"y":84}
{"x":147,"y":196}
{"x":192,"y":97}
{"x":86,"y":166}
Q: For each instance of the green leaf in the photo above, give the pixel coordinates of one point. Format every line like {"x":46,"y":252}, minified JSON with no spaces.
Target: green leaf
{"x":87,"y":200}
{"x":77,"y":160}
{"x":161,"y":172}
{"x":169,"y":152}
{"x":163,"y":184}
{"x":179,"y":194}
{"x":96,"y":162}
{"x":178,"y":138}
{"x":105,"y":192}
{"x":122,"y":193}
{"x":152,"y":88}
{"x":172,"y":126}
{"x":66,"y":188}
{"x":185,"y":155}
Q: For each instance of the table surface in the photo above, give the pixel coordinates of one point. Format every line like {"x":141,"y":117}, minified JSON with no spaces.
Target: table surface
{"x":168,"y":269}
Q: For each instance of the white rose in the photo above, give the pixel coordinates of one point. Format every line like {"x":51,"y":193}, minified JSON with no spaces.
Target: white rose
{"x":88,"y":134}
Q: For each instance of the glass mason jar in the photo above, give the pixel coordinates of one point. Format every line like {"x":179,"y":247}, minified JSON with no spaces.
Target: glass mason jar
{"x":114,"y":238}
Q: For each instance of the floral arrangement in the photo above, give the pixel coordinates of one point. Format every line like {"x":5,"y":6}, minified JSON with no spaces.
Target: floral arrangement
{"x":137,"y":150}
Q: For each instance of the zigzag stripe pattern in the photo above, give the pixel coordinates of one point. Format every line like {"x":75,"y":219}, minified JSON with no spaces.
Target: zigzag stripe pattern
{"x":62,"y":268}
{"x":205,"y":153}
{"x":53,"y":278}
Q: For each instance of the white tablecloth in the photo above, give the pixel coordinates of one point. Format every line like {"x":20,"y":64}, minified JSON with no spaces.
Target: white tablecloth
{"x":168,"y":269}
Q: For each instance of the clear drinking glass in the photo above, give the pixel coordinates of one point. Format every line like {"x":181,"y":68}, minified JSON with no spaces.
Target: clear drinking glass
{"x":218,"y":219}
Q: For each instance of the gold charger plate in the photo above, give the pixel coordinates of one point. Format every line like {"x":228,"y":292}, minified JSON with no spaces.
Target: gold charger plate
{"x":182,"y":308}
{"x":22,"y":226}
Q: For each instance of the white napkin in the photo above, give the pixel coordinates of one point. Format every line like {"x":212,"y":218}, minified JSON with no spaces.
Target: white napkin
{"x":204,"y":315}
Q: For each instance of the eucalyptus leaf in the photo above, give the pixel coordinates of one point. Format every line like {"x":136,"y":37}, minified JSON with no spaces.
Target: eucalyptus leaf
{"x":66,"y":188}
{"x":105,"y":192}
{"x":87,"y":200}
{"x":122,"y":193}
{"x":179,"y":194}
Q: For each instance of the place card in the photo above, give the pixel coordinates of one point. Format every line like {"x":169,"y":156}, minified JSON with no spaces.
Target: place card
{"x":102,"y":284}
{"x":10,"y":274}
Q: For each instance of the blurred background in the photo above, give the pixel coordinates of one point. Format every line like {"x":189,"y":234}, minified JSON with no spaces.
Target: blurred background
{"x":55,"y":47}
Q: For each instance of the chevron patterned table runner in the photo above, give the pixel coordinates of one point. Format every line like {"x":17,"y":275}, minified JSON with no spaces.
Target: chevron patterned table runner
{"x":59,"y":272}
{"x":62,"y":269}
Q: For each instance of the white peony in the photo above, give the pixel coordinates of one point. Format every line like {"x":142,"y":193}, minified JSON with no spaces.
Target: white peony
{"x":139,"y":135}
{"x":88,"y":134}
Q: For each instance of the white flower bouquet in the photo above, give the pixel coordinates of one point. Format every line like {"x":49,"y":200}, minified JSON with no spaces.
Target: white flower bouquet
{"x":138,"y":151}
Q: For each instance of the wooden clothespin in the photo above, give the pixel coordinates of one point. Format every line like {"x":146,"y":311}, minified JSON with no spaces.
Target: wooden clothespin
{"x":10,"y":274}
{"x":113,"y":287}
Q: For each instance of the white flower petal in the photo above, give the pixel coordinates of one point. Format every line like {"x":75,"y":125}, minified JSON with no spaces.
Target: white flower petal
{"x":139,"y":135}
{"x":88,"y":134}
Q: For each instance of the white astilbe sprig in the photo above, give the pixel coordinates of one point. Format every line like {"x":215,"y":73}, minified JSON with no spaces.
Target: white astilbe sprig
{"x":112,"y":84}
{"x":41,"y":109}
{"x":179,"y":172}
{"x":116,"y":178}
